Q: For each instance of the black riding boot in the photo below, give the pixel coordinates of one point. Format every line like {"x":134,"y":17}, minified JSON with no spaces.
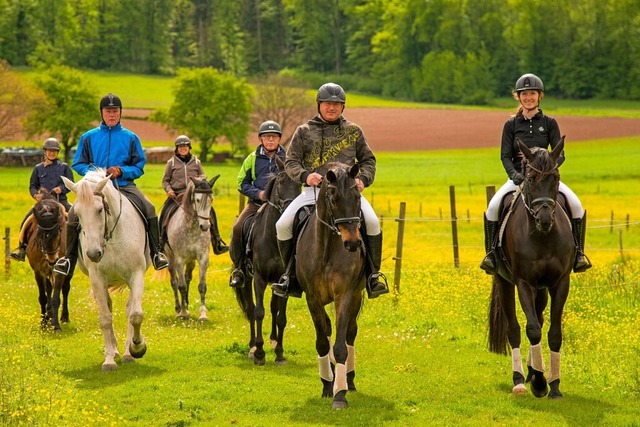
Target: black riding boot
{"x":288,"y":284}
{"x":19,"y":253}
{"x":488,"y":264}
{"x":237,"y":278}
{"x":67,"y":264}
{"x":219,"y":246}
{"x":578,"y":226}
{"x":376,"y":281}
{"x":158,"y":258}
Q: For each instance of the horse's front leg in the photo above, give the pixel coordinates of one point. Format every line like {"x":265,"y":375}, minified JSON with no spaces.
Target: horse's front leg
{"x":203,"y":265}
{"x":43,"y":297}
{"x":322,"y":325}
{"x":173,"y":274}
{"x":507,"y":298}
{"x":66,"y":288}
{"x":183,"y":312}
{"x":135,"y":345}
{"x":559,"y":296}
{"x":347,"y":310}
{"x":352,"y":333}
{"x":528,"y":297}
{"x":259,"y":286}
{"x":105,"y":315}
{"x":53,"y":301}
{"x":278,"y":325}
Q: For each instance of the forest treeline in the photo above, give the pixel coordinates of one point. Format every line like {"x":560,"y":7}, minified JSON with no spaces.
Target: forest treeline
{"x":445,"y":51}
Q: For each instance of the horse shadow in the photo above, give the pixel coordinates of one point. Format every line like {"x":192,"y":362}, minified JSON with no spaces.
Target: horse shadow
{"x":88,"y":378}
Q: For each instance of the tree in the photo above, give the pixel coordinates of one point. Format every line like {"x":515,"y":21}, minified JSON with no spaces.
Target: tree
{"x":209,"y":105}
{"x":284,"y":100}
{"x":70,"y":106}
{"x":16,"y":99}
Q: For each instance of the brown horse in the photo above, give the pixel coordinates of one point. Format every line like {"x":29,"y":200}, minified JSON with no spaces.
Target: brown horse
{"x":266,"y":268}
{"x":330,"y":262}
{"x":538,"y":250}
{"x":45,"y":244}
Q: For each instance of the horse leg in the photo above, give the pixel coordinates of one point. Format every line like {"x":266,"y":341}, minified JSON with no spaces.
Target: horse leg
{"x":105,"y":315}
{"x":528,"y":297}
{"x":66,"y":288}
{"x":41,"y":281}
{"x":173,"y":274}
{"x":558,"y":298}
{"x":53,"y":302}
{"x":278,"y":325}
{"x":259,"y":288}
{"x":135,"y":346}
{"x":183,"y":289}
{"x":203,"y":264}
{"x":507,"y":302}
{"x":352,"y":332}
{"x":322,"y":325}
{"x":347,"y":310}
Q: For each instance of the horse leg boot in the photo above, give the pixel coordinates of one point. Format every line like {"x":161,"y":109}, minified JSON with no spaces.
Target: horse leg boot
{"x":488,"y":264}
{"x":21,"y":251}
{"x":376,"y":281}
{"x":219,"y":246}
{"x":158,"y":258}
{"x":67,"y":264}
{"x":288,"y":284}
{"x":578,"y":226}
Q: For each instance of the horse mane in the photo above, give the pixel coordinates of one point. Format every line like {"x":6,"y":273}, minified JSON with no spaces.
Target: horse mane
{"x":84,"y":188}
{"x":541,"y":162}
{"x":268,"y":188}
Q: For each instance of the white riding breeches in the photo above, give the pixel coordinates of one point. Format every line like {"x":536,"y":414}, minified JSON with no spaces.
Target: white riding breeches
{"x":284,"y":226}
{"x":493,"y":213}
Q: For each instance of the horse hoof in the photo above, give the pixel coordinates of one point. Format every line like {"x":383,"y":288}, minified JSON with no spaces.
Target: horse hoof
{"x":539,"y":385}
{"x":280,"y":361}
{"x":259,"y":361}
{"x":203,"y":319}
{"x":128,"y":359}
{"x":138,"y":350}
{"x":327,"y":388}
{"x":111,"y":366}
{"x":340,"y":400}
{"x":555,"y":395}
{"x":519,"y":390}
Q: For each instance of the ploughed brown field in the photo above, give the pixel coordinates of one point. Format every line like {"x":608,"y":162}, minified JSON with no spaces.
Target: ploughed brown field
{"x":400,"y":129}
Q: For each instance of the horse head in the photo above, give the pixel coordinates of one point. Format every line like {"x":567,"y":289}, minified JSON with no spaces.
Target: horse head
{"x":198,"y":199}
{"x":49,"y":217}
{"x":283,"y":190}
{"x":341,"y":207}
{"x":541,"y":181}
{"x":93,"y":210}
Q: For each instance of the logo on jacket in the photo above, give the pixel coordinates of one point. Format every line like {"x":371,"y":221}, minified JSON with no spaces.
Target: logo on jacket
{"x":541,"y":129}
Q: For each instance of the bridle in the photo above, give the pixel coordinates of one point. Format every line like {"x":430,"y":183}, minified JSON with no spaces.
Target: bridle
{"x":107,"y":212}
{"x":48,"y":237}
{"x":204,"y":203}
{"x":281,"y":204}
{"x":333,"y":221}
{"x":535,"y":206}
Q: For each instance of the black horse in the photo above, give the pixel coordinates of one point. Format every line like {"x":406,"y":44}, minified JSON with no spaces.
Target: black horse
{"x":537,"y":258}
{"x":46,"y":243}
{"x":266,"y":267}
{"x":330,"y":266}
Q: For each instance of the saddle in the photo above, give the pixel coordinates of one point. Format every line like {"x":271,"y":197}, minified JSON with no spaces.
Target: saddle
{"x":507,"y":206}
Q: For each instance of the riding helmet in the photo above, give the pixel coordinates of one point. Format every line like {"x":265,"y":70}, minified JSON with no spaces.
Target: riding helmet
{"x":51,"y":144}
{"x":269,"y":127}
{"x":183,"y":140}
{"x":110,"y":100}
{"x":331,"y":92}
{"x":529,"y":82}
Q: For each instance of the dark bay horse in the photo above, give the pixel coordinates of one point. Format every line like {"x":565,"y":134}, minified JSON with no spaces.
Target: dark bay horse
{"x":46,"y":242}
{"x":267,"y":268}
{"x":188,"y":241}
{"x":330,"y":262}
{"x":538,"y":250}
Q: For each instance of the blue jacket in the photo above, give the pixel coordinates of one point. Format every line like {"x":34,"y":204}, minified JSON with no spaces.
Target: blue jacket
{"x":255,"y":171}
{"x":48,"y":177}
{"x":104,"y":147}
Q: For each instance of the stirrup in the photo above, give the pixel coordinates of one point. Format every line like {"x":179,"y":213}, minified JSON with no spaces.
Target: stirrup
{"x":488,"y":264}
{"x":377,"y":285}
{"x":18,"y":254}
{"x":280,"y":289}
{"x":582,"y":263}
{"x":62,"y":266}
{"x":237,"y":278}
{"x":160,"y":261}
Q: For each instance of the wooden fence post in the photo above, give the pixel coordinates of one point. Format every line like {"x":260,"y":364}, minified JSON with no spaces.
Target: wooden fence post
{"x":240,"y":203}
{"x":7,"y":251}
{"x":490,"y":191}
{"x":454,"y":226}
{"x":398,"y":257}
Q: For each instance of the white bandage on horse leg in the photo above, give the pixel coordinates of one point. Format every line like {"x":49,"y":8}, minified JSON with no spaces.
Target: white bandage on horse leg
{"x":341,"y":378}
{"x":554,"y":366}
{"x":351,"y":358}
{"x":537,"y":361}
{"x":324,"y":368}
{"x":333,"y":358}
{"x":516,"y":361}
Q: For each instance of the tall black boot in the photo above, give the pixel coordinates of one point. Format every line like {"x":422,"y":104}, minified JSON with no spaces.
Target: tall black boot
{"x":376,"y":281}
{"x":158,"y":258}
{"x":488,"y":264}
{"x":20,"y":253}
{"x":67,"y":264}
{"x":579,"y":229}
{"x":288,"y":284}
{"x":219,"y":246}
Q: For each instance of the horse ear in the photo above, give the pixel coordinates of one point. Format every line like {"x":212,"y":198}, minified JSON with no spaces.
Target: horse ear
{"x":68,"y":183}
{"x":279,"y":163}
{"x":213,"y":180}
{"x":558,"y":149}
{"x":101,"y":184}
{"x":523,"y":147}
{"x":354,"y":171}
{"x":331,"y":176}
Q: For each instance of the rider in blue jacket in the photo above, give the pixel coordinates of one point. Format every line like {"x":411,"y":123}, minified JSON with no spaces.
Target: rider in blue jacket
{"x":116,"y":149}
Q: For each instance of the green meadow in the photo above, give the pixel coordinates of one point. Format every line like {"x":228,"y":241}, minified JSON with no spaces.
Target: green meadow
{"x":421,"y":351}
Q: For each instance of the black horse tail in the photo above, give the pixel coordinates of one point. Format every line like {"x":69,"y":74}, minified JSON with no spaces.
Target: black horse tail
{"x":497,"y":322}
{"x":244,"y":298}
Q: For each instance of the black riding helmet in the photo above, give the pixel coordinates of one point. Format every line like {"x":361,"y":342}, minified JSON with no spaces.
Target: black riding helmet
{"x":51,"y":144}
{"x":269,"y":127}
{"x":110,"y":100}
{"x":331,"y":92}
{"x":183,"y":140}
{"x":529,"y":82}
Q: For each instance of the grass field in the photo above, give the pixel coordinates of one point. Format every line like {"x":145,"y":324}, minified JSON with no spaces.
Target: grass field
{"x":421,"y":352}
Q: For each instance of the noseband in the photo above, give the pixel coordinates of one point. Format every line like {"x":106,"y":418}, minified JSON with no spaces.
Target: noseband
{"x":536,"y":205}
{"x":333,"y":221}
{"x":203,"y":202}
{"x":48,"y":237}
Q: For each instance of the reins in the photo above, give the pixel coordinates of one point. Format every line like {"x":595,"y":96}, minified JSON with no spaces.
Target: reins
{"x":334,"y":221}
{"x":536,"y":205}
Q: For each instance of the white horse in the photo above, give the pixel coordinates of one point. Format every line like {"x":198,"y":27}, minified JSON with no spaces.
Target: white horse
{"x":113,"y":253}
{"x":188,"y":240}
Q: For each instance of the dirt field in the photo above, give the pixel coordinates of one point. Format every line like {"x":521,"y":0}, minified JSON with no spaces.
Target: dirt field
{"x":395,"y":129}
